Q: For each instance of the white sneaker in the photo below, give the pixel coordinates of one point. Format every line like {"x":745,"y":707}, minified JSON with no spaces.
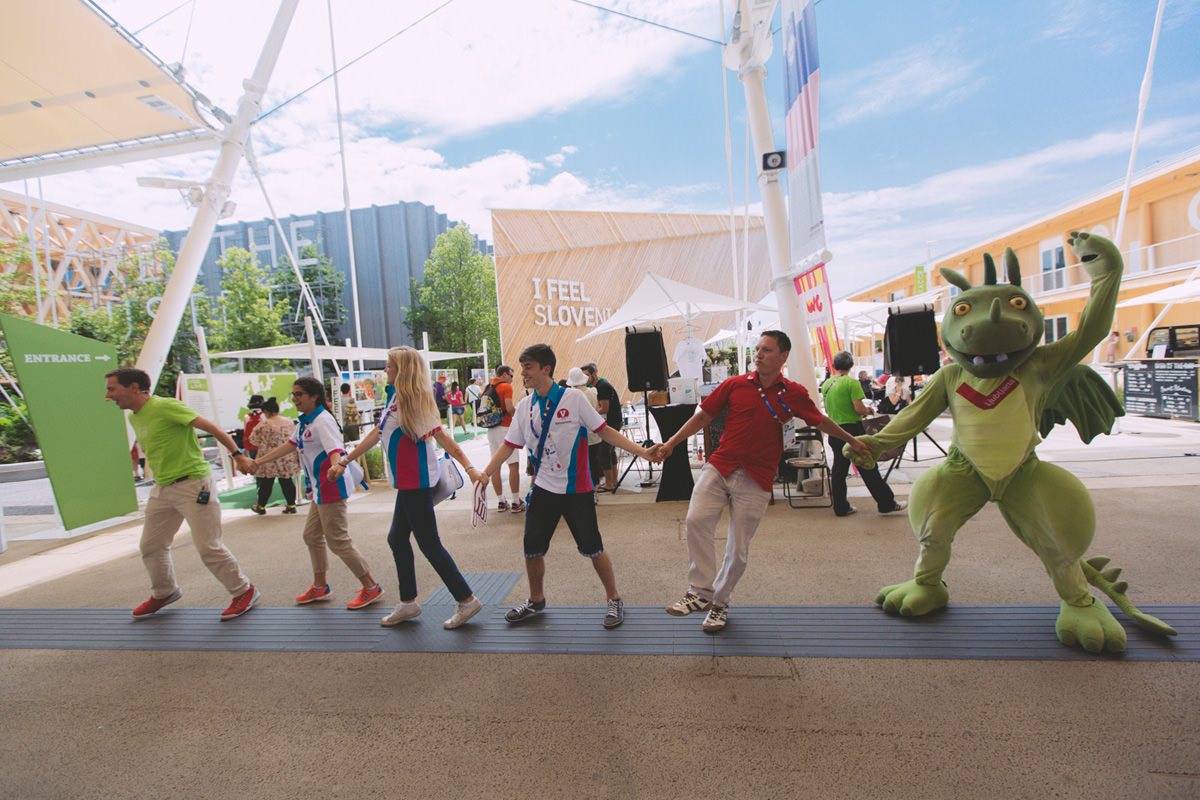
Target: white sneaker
{"x":463,"y":612}
{"x":403,"y":611}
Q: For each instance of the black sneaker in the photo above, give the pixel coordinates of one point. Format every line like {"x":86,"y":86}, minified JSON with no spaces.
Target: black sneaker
{"x":616,"y":613}
{"x":525,"y":611}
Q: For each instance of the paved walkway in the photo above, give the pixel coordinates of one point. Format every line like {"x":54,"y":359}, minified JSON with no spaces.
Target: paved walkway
{"x":378,"y":715}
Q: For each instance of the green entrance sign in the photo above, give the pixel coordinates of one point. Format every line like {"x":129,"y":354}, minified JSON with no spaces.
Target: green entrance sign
{"x":82,"y":436}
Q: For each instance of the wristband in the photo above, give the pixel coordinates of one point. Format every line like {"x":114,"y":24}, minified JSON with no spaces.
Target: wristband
{"x":237,"y":453}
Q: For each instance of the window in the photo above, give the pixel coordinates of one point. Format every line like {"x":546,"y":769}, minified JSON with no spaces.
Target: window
{"x":1056,"y":328}
{"x":1053,"y":264}
{"x":896,"y":295}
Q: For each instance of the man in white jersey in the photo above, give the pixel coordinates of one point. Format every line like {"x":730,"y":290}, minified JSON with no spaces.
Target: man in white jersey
{"x":552,"y":424}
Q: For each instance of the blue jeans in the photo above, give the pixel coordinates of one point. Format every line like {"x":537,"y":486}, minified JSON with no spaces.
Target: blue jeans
{"x":414,"y":516}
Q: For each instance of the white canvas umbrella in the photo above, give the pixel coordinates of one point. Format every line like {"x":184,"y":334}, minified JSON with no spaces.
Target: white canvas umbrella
{"x":1186,"y":292}
{"x":658,"y":298}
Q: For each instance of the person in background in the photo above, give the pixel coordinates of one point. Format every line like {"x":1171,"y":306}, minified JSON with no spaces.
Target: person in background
{"x":740,"y":473}
{"x":458,"y":407}
{"x":1110,"y":347}
{"x":409,"y":428}
{"x":351,"y":418}
{"x":844,"y":405}
{"x":271,"y":433}
{"x":183,"y":490}
{"x":604,"y":455}
{"x":502,"y":384}
{"x":320,"y":444}
{"x":252,"y":418}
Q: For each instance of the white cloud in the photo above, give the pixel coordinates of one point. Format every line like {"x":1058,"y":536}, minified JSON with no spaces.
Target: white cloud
{"x":560,"y":158}
{"x":931,"y":75}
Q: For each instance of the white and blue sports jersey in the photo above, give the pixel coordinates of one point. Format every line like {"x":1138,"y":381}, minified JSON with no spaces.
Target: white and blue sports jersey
{"x":564,"y":466}
{"x":320,"y":444}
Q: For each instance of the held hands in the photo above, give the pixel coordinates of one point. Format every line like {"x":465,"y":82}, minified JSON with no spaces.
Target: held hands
{"x":336,"y":470}
{"x":658,"y":453}
{"x":862,"y":451}
{"x":245,"y":463}
{"x":475,"y":475}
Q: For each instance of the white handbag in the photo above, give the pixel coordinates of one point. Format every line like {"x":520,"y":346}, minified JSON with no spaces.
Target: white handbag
{"x":450,"y":480}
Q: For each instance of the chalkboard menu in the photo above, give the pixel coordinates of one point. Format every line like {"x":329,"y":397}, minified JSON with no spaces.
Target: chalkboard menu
{"x":1165,"y":388}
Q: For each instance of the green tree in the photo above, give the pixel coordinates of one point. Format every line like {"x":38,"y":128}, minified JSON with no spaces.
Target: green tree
{"x":326,"y":284}
{"x":17,"y":293}
{"x":245,"y":316}
{"x":455,"y":302}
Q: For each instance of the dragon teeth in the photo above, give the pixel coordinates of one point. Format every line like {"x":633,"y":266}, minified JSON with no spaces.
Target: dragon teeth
{"x":978,"y":360}
{"x":1002,"y":357}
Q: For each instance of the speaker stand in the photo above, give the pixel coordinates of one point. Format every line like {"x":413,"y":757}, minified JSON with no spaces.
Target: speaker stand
{"x":650,"y":474}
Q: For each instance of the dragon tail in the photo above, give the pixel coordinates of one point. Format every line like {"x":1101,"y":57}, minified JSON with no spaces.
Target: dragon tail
{"x":1106,"y":581}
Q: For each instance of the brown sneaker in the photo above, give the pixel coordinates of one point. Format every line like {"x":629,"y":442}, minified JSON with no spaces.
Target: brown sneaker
{"x":687,"y":604}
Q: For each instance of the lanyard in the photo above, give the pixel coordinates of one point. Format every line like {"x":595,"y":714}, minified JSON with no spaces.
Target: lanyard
{"x":778,"y":399}
{"x":551,"y":404}
{"x":304,"y":424}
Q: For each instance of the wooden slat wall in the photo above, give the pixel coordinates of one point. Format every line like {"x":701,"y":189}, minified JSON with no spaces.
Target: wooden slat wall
{"x":609,"y":254}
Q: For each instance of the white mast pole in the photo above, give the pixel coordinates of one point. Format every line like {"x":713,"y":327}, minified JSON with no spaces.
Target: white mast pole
{"x":216,"y":192}
{"x":748,"y":52}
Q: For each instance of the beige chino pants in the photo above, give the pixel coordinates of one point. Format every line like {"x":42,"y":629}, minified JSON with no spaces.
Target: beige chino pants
{"x":327,"y":523}
{"x":747,"y":503}
{"x":166,"y":510}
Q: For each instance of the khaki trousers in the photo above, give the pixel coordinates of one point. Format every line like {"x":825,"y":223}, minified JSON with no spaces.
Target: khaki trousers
{"x":327,"y":524}
{"x":166,"y":510}
{"x":747,"y":503}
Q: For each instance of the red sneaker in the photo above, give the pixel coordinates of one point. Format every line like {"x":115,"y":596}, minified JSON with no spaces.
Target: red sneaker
{"x":154,"y":604}
{"x":313,"y":595}
{"x":366,"y":597}
{"x":241,"y":604}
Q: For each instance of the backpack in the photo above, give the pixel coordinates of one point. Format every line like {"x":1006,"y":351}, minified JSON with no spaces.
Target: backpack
{"x":491,"y":410}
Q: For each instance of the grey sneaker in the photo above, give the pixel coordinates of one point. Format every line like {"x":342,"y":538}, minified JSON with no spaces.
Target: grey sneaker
{"x":687,"y":604}
{"x":900,"y":506}
{"x":716,"y":619}
{"x":525,"y":611}
{"x":462,"y":613}
{"x":615,"y":615}
{"x":403,"y":611}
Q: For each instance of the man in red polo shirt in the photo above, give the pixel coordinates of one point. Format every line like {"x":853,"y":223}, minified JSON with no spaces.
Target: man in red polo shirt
{"x":741,"y":472}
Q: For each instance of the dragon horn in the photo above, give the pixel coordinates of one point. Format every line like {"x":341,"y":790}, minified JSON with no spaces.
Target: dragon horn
{"x":989,"y":270}
{"x":1012,"y":266}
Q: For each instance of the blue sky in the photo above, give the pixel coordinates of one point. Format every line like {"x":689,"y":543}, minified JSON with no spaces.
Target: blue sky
{"x":941,"y":122}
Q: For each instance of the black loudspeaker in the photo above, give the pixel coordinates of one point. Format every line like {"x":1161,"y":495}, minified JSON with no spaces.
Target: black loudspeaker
{"x":910,"y":343}
{"x":645,"y":359}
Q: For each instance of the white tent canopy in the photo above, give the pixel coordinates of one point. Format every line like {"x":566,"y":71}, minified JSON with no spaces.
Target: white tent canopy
{"x":657,"y":298}
{"x":1186,"y":292}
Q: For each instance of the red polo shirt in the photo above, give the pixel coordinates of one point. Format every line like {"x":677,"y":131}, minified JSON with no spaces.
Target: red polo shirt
{"x":752,"y":438}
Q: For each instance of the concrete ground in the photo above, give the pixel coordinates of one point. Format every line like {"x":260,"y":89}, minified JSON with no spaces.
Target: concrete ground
{"x":82,"y":723}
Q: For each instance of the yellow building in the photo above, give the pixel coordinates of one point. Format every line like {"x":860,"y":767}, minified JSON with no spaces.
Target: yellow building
{"x":1160,"y":243}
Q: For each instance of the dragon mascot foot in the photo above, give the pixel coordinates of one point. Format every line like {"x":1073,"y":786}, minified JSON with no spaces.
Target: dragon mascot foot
{"x":912,"y":599}
{"x":1092,"y":627}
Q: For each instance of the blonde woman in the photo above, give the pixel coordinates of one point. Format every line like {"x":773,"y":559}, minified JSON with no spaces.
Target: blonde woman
{"x":409,"y":427}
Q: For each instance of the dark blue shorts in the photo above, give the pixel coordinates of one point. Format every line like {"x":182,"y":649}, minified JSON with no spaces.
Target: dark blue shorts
{"x":544,"y":511}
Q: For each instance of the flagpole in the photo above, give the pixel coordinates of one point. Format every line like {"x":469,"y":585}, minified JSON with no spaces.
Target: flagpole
{"x":750,"y":47}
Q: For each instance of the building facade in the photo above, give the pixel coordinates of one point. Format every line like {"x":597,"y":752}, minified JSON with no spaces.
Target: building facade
{"x":391,"y":246}
{"x":1160,"y":244}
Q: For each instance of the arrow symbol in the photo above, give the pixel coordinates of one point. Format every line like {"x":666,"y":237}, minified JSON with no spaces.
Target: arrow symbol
{"x":103,"y":358}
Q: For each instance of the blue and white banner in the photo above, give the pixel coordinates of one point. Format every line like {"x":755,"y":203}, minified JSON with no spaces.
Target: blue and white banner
{"x":802,"y":78}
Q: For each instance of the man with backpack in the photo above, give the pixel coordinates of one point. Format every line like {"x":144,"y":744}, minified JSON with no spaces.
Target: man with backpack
{"x":495,"y":413}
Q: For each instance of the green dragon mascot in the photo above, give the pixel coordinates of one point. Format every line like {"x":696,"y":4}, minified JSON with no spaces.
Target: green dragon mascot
{"x":1004,"y":393}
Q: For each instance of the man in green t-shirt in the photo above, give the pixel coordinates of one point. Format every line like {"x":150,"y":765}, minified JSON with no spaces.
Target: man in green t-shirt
{"x":844,"y":405}
{"x":183,"y":490}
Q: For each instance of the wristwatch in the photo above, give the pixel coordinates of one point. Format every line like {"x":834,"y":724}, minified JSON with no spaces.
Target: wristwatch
{"x":237,"y":453}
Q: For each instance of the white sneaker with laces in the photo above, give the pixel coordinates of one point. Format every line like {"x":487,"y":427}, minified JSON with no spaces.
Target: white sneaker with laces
{"x":462,"y":613}
{"x":716,"y":619}
{"x":403,"y":612}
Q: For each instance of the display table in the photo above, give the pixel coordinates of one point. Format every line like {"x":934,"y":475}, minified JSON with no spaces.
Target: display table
{"x":676,"y":481}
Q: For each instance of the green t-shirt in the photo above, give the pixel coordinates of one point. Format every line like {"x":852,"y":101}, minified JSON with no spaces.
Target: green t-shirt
{"x":164,"y":429}
{"x":840,"y":394}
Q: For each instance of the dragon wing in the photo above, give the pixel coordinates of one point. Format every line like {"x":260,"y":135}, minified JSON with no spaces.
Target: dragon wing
{"x":1084,"y":398}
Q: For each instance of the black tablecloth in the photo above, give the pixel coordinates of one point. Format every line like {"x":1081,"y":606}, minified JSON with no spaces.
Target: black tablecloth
{"x":676,"y":481}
